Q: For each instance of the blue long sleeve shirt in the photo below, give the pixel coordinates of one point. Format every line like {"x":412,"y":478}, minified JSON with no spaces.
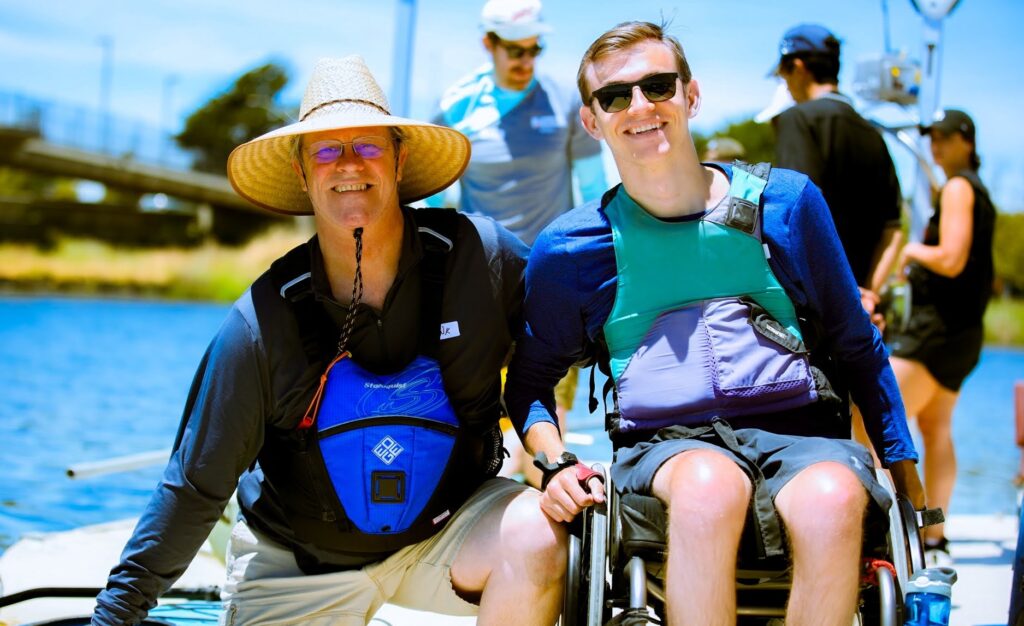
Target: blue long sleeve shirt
{"x":571,"y":285}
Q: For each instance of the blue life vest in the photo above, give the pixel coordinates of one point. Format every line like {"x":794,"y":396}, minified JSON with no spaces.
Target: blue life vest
{"x":379,"y":449}
{"x":701,"y":327}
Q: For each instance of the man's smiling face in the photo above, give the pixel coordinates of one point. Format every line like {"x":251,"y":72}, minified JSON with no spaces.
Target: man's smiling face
{"x":351,"y":191}
{"x":644,"y":130}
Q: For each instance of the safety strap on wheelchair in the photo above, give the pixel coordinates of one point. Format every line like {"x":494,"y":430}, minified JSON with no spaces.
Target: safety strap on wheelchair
{"x":768,"y":529}
{"x":766,"y":520}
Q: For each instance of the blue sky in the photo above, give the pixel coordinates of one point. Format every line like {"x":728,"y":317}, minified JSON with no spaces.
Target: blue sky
{"x":52,"y":50}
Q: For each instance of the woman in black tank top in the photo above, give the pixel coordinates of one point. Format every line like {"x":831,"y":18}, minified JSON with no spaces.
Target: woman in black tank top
{"x":950,"y":274}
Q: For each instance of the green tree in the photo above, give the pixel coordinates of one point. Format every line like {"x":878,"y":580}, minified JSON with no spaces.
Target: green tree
{"x":247,"y":109}
{"x":758,"y":140}
{"x":1008,"y":251}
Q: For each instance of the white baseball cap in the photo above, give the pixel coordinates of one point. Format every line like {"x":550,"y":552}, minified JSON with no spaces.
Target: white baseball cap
{"x":513,"y":20}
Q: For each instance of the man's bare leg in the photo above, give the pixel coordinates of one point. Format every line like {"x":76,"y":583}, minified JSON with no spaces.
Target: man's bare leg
{"x":515,"y":559}
{"x":823,"y":511}
{"x":707,"y":496}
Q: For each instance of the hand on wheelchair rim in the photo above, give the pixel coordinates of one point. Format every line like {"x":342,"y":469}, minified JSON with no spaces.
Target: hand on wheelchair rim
{"x":570,"y":491}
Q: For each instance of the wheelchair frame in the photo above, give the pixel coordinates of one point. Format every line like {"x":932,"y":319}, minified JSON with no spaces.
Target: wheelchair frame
{"x":592,"y":583}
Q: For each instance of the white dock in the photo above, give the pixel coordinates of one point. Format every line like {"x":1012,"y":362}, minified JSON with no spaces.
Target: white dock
{"x":982,"y":546}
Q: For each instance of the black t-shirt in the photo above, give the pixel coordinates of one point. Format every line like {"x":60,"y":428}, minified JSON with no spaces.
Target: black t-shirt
{"x":961,"y":300}
{"x":847,"y":158}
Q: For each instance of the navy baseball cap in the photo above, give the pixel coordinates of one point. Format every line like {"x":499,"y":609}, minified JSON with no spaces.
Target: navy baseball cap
{"x":951,"y":121}
{"x":808,"y":39}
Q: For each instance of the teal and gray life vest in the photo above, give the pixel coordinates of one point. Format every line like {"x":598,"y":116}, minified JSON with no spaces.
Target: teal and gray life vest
{"x":701,"y":327}
{"x":380,"y":451}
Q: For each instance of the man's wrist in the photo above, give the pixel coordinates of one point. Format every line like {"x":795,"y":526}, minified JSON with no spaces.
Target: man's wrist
{"x":549,"y":469}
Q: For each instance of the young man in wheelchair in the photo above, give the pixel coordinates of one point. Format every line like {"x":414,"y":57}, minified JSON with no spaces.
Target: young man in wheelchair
{"x":721,"y":297}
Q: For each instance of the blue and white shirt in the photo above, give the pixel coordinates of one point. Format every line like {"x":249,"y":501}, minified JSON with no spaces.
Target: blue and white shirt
{"x":526,"y":147}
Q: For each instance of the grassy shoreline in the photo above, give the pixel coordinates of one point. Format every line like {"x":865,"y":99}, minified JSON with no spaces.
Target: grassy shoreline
{"x":87,"y":267}
{"x":220,"y":274}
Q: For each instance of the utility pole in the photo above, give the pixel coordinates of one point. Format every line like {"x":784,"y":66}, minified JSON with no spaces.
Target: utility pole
{"x":405,"y":30}
{"x":932,"y":12}
{"x":106,"y":42}
{"x":166,"y":115}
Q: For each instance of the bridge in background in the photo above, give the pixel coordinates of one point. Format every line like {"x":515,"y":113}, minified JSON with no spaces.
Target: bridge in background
{"x":132,"y":157}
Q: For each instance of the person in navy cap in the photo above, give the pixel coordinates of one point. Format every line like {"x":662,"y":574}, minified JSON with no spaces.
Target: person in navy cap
{"x":824,"y":137}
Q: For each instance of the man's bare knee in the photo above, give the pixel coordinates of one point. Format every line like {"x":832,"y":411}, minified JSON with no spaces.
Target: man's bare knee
{"x":826,"y":496}
{"x":530,"y":537}
{"x":703,"y":483}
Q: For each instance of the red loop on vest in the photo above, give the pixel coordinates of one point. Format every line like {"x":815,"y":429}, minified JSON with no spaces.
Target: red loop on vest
{"x":314,"y":406}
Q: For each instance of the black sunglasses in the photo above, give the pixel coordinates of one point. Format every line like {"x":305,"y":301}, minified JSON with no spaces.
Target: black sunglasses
{"x":617,"y":97}
{"x":515,"y":51}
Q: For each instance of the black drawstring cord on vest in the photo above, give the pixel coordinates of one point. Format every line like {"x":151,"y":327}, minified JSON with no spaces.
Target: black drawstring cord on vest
{"x":357,"y":293}
{"x":346,"y":330}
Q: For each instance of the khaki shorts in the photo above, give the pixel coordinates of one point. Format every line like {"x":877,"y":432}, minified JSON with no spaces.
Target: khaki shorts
{"x":565,"y":390}
{"x":265,"y":586}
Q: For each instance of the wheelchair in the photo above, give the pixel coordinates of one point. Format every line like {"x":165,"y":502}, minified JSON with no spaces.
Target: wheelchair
{"x":617,"y":549}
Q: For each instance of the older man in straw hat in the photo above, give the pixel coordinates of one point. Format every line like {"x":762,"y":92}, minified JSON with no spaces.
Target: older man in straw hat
{"x":355,"y":390}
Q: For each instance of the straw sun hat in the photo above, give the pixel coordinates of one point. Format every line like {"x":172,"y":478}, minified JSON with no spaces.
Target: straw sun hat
{"x":343,"y":94}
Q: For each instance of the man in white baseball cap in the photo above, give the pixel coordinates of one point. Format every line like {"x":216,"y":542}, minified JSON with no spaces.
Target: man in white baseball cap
{"x":528,"y":144}
{"x":527,"y":139}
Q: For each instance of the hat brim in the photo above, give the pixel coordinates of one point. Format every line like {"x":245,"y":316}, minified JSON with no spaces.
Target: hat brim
{"x":516,"y":32}
{"x":261,"y":170}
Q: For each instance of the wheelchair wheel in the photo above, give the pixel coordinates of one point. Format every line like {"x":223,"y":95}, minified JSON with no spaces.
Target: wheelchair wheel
{"x":586,"y":579}
{"x":881,"y":605}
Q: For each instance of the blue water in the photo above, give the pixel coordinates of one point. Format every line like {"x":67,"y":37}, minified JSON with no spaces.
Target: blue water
{"x":86,"y":380}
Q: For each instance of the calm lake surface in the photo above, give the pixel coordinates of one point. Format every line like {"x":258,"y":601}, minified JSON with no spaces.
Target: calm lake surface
{"x":86,"y":380}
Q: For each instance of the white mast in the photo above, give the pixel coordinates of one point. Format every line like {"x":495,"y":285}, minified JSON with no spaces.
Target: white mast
{"x":932,"y":12}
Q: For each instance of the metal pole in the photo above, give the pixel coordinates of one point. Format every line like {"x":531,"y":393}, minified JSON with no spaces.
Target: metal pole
{"x":166,"y":116}
{"x":118,"y":464}
{"x":106,"y":42}
{"x":928,"y":105}
{"x":405,"y":29}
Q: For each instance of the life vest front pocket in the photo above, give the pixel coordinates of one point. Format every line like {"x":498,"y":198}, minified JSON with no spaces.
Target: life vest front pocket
{"x":706,"y":360}
{"x":384,"y":471}
{"x":387,"y":444}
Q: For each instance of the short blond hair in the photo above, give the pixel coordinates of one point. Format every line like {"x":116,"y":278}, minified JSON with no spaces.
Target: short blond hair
{"x":623,"y":36}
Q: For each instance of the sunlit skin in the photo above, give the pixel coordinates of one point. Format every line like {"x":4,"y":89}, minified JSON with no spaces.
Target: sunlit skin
{"x":645,"y":131}
{"x":351,"y":193}
{"x":798,"y":81}
{"x":951,"y":152}
{"x":651,"y":141}
{"x":509,"y":73}
{"x":329,"y":184}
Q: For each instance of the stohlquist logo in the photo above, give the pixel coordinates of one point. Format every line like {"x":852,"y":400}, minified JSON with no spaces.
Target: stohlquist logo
{"x":385,"y":386}
{"x":387,"y":450}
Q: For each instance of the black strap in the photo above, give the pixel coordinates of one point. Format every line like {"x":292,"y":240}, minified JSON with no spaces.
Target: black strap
{"x":760,"y":170}
{"x":292,"y":279}
{"x":437,"y":231}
